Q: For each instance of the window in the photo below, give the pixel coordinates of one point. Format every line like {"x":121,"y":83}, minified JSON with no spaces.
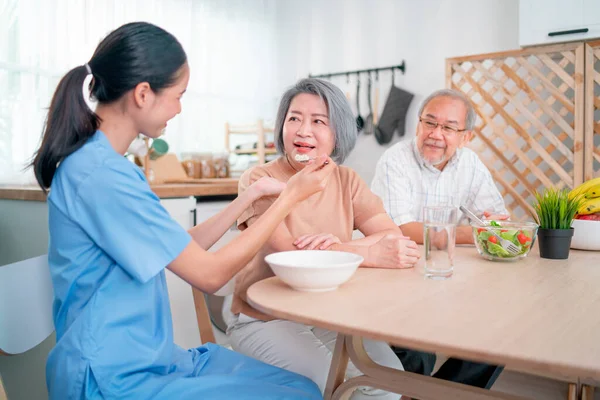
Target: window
{"x":230,"y":46}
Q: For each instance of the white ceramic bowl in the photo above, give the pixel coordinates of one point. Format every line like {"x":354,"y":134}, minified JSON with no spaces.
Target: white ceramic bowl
{"x":586,"y":235}
{"x":314,"y":270}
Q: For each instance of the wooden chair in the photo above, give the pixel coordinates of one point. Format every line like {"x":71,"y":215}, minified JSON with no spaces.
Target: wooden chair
{"x":203,"y":311}
{"x":26,"y":297}
{"x":2,"y":392}
{"x":205,"y":325}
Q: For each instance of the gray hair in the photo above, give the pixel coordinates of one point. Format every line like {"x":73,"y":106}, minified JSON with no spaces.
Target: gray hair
{"x":341,"y":118}
{"x":455,"y":94}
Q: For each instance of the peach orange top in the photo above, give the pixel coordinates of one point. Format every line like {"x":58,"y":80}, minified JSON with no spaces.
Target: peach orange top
{"x":344,"y":205}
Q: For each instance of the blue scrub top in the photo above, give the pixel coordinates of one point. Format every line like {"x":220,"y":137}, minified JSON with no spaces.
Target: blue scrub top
{"x":110,"y":240}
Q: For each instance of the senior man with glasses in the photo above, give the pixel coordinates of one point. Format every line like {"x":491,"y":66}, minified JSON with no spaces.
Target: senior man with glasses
{"x":435,"y":168}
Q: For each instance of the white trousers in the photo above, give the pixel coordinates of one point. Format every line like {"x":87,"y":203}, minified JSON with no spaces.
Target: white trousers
{"x":306,"y":350}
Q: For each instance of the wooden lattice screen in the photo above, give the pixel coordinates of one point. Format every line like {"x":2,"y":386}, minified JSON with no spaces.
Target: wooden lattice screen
{"x":592,"y":109}
{"x":529,"y":130}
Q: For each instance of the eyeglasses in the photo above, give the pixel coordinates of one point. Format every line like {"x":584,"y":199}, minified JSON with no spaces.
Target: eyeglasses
{"x":447,"y":130}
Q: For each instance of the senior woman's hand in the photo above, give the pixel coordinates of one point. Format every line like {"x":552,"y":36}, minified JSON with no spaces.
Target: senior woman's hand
{"x":393,"y":251}
{"x":320,"y":241}
{"x":266,"y":186}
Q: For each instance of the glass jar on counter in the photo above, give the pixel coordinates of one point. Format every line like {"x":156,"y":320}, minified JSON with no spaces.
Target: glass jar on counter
{"x":207,"y":166}
{"x":190,"y":168}
{"x":198,"y":165}
{"x":221,"y":164}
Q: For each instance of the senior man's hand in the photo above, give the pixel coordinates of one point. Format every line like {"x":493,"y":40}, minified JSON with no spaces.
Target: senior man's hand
{"x":496,"y":217}
{"x":394,"y":251}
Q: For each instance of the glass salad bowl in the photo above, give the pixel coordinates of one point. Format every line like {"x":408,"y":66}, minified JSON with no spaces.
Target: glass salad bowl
{"x":521,"y":234}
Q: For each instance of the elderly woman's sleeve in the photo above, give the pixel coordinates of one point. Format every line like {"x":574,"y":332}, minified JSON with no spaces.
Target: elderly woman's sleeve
{"x":258,"y":207}
{"x":366,"y":204}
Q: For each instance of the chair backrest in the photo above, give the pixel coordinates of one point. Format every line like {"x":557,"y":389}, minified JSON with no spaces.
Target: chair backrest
{"x":26,"y":297}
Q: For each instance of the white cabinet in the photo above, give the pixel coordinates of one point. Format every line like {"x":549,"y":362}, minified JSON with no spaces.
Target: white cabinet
{"x":206,"y":209}
{"x":181,"y":210}
{"x":183,"y":312}
{"x":553,"y":21}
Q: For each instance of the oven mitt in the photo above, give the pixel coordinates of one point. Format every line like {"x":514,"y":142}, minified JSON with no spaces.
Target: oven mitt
{"x":394,"y":115}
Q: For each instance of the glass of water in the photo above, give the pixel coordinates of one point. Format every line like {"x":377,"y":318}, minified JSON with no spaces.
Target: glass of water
{"x":439,"y":237}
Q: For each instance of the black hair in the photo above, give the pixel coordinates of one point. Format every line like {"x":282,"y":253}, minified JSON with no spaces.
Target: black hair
{"x":134,"y":53}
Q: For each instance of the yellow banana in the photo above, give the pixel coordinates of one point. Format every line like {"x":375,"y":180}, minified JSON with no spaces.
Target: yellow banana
{"x":590,"y":206}
{"x":584,"y":187}
{"x":592,"y":192}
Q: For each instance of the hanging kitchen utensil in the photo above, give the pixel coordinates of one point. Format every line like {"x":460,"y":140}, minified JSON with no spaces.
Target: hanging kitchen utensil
{"x":347,"y":91}
{"x":376,"y":101}
{"x":360,"y":123}
{"x":376,"y":131}
{"x":393,"y":116}
{"x":369,"y":121}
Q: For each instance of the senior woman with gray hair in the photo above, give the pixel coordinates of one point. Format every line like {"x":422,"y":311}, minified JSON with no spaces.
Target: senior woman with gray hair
{"x":315,"y":119}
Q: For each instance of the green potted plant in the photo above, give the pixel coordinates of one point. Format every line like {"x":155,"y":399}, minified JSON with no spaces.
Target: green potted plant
{"x":554,"y":212}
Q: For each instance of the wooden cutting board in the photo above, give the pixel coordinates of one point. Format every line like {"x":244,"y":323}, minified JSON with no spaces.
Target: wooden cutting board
{"x":168,"y":169}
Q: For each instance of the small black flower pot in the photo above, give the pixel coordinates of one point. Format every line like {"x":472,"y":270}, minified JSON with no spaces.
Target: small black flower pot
{"x":555,"y":243}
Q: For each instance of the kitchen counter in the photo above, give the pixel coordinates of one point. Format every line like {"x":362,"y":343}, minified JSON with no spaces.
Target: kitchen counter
{"x":168,"y":190}
{"x":164,"y":191}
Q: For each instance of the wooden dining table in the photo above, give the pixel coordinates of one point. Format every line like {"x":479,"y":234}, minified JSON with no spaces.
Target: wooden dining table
{"x":534,"y":315}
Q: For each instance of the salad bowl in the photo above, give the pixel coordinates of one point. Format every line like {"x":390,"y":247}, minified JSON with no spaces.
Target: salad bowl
{"x":521,"y":234}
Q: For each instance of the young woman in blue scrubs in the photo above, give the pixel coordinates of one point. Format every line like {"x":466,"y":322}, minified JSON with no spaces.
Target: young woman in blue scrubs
{"x":110,"y":239}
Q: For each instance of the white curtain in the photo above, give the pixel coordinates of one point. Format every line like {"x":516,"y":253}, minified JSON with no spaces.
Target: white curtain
{"x":231,"y":47}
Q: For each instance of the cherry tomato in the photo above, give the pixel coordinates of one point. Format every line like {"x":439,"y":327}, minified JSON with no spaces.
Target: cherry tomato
{"x":493,"y":239}
{"x":522,"y":238}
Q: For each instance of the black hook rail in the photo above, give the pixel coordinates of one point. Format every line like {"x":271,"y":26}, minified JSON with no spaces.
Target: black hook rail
{"x":401,"y":67}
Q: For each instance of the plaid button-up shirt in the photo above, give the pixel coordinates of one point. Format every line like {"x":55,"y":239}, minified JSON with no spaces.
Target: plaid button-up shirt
{"x":406,"y":183}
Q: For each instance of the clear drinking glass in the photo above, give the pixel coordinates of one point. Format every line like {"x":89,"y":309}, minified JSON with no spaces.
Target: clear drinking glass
{"x":439,"y":237}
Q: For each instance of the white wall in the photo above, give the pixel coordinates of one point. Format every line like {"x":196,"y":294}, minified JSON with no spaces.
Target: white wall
{"x":338,"y":35}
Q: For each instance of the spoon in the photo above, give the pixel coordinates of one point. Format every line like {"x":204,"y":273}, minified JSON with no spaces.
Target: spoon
{"x":472,"y":216}
{"x":300,"y":158}
{"x":504,"y":243}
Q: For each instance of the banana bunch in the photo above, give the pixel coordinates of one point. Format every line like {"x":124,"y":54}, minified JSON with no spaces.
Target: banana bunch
{"x":590,"y":190}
